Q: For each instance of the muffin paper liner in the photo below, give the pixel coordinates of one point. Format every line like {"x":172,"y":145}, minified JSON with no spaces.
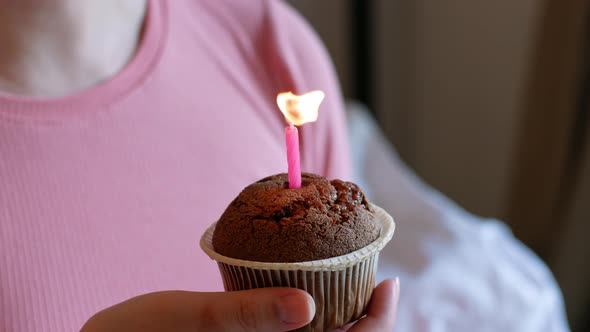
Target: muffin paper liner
{"x":341,"y":286}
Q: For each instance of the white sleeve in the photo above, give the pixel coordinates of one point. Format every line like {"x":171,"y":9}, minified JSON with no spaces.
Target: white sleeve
{"x":457,"y":272}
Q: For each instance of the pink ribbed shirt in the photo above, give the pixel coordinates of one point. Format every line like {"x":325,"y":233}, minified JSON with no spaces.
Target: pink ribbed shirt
{"x":104,"y":194}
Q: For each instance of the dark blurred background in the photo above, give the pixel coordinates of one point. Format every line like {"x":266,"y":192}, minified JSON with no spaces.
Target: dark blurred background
{"x":487,"y":101}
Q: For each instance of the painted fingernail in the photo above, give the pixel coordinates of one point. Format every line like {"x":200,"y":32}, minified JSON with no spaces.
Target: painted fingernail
{"x":396,"y":287}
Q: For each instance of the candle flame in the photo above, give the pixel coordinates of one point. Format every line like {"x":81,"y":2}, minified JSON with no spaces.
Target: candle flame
{"x":302,"y":109}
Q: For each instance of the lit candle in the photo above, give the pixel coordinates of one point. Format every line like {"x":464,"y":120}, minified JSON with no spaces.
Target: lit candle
{"x":294,"y":164}
{"x":297,"y":110}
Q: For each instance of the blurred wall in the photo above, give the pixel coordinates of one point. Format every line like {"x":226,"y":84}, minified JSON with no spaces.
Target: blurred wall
{"x":451,"y":98}
{"x":572,"y":257}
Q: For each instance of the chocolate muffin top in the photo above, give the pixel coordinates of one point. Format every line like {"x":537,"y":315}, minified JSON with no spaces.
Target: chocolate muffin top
{"x":268,"y":222}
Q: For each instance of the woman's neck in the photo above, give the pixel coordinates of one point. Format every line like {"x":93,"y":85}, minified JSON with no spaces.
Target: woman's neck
{"x":59,"y":47}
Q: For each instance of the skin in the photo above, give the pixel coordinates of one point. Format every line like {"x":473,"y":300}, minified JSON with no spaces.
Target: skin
{"x":57,"y":47}
{"x":261,"y":310}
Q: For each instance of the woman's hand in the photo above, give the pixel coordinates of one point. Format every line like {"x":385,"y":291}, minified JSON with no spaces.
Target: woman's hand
{"x":382,"y":311}
{"x":265,"y":309}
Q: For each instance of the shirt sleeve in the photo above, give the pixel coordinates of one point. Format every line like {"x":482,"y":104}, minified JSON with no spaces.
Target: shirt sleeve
{"x":300,"y":63}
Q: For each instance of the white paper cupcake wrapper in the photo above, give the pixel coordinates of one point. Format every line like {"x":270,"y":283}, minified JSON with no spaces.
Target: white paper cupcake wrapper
{"x":341,"y":286}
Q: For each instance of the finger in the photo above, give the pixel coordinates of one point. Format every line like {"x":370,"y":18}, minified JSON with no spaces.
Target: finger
{"x":159,"y":311}
{"x":266,"y":309}
{"x":382,"y":311}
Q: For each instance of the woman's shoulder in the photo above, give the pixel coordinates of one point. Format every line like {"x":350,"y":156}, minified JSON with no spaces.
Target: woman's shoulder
{"x":280,"y":51}
{"x":269,"y":33}
{"x":252,"y":18}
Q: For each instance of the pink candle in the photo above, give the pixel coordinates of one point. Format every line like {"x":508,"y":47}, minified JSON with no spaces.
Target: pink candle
{"x":292,"y":140}
{"x":298,"y":110}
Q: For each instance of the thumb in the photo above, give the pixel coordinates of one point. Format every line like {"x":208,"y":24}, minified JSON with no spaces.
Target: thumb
{"x":264,"y":309}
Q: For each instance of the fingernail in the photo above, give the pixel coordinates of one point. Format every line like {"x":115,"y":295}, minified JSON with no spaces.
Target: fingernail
{"x":296,"y":309}
{"x":396,"y":287}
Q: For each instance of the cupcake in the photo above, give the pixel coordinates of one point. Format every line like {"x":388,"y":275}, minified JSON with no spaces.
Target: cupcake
{"x":324,"y":238}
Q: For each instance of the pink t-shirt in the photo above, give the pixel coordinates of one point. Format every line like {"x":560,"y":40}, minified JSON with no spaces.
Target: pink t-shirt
{"x":104,"y":194}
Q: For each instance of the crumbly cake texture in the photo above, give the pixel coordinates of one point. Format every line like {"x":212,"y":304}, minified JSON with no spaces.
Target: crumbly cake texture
{"x":268,"y":222}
